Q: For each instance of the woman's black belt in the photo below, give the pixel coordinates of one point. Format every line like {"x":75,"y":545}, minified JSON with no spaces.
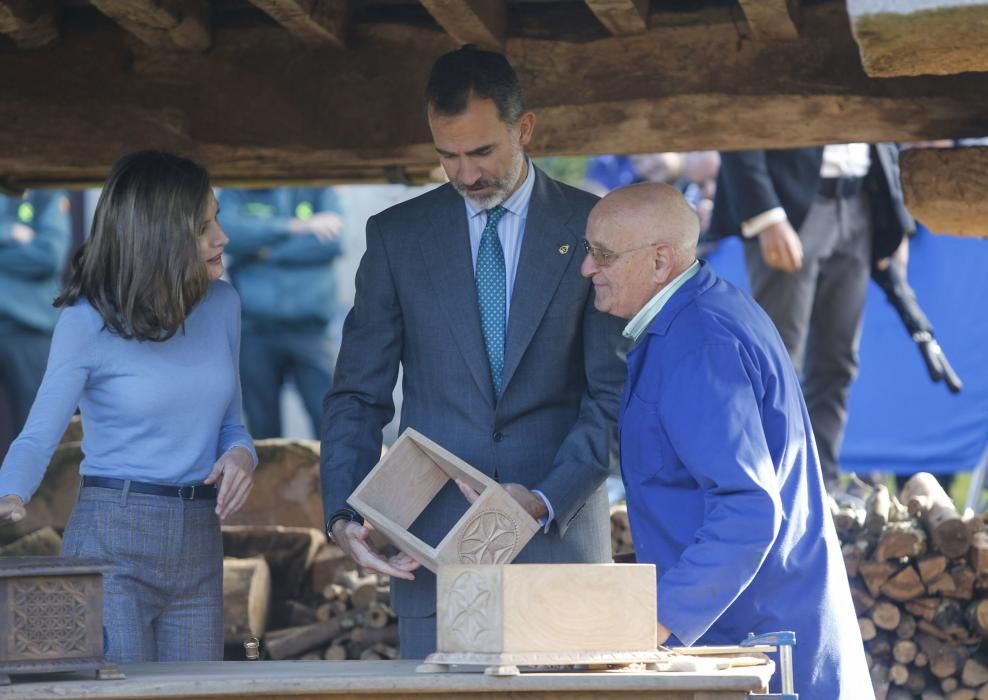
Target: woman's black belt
{"x":189,"y":492}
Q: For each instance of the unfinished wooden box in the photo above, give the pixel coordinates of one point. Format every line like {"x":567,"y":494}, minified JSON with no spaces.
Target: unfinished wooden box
{"x":51,"y":616}
{"x":493,"y":530}
{"x":545,"y":614}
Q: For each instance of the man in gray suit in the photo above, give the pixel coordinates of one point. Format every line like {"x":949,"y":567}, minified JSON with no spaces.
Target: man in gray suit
{"x":474,"y":289}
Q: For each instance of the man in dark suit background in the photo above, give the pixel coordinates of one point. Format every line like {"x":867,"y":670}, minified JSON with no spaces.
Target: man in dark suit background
{"x":474,"y":289}
{"x":814,"y":221}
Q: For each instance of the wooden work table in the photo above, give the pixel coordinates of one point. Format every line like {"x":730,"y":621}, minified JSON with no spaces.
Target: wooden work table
{"x":315,"y":680}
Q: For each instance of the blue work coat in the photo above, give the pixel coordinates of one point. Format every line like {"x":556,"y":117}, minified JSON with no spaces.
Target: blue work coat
{"x":724,"y":488}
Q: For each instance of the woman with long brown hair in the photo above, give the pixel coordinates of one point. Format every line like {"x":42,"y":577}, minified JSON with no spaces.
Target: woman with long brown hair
{"x":147,"y":347}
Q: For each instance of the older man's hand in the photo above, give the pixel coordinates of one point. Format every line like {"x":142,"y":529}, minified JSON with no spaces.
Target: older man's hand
{"x":532,"y":504}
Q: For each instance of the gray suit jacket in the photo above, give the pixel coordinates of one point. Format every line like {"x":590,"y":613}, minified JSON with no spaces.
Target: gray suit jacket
{"x":552,"y":427}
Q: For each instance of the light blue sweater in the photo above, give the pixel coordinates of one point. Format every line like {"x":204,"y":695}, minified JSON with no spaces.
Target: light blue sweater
{"x":158,"y":412}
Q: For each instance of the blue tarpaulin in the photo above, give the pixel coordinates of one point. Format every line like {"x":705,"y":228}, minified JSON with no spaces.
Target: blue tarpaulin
{"x":899,"y":421}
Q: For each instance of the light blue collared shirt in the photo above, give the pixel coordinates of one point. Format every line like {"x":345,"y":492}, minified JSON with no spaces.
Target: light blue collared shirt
{"x":643,"y":319}
{"x":510,"y":231}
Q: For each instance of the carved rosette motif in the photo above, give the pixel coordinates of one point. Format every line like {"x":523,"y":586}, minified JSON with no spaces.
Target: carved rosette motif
{"x":471,"y":612}
{"x":489,"y":538}
{"x":49,"y":617}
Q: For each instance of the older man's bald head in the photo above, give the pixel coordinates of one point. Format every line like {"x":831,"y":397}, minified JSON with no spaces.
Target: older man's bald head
{"x":650,"y":212}
{"x":640,"y":238}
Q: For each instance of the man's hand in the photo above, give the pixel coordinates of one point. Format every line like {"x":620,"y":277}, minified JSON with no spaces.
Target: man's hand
{"x":781,"y":248}
{"x":21,"y":233}
{"x":11,"y":509}
{"x":352,"y":539}
{"x":532,"y":504}
{"x":234,"y":471}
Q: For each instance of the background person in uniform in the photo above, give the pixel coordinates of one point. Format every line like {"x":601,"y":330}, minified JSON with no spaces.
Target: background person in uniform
{"x":147,"y":347}
{"x":815,"y":220}
{"x":724,"y":493}
{"x":283,"y":246}
{"x":34,"y":245}
{"x":474,"y":290}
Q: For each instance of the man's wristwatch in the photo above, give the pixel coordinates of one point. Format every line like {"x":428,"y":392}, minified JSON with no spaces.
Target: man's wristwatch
{"x":348,"y":514}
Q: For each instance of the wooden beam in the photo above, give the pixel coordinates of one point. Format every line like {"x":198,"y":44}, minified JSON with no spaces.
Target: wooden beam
{"x":314,"y":22}
{"x":29,"y":23}
{"x":480,"y":22}
{"x":920,"y":37}
{"x":771,"y":20}
{"x":621,"y":16}
{"x":251,"y":110}
{"x":945,"y":188}
{"x":178,"y":24}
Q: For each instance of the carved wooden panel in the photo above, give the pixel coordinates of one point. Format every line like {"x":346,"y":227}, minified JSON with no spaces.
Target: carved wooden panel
{"x":49,"y":617}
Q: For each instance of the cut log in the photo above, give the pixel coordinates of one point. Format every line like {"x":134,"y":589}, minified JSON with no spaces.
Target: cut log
{"x":336,"y":651}
{"x":886,"y":615}
{"x":289,"y":552}
{"x":948,"y":661}
{"x":919,"y":37}
{"x":881,"y":645}
{"x":907,"y":627}
{"x":246,"y":597}
{"x":298,"y":640}
{"x":854,"y":553}
{"x":917,"y":682}
{"x":904,"y":651}
{"x":880,"y":680}
{"x":378,"y":615}
{"x":868,"y":629}
{"x":921,"y":660}
{"x":949,"y":685}
{"x":898,"y":674}
{"x":948,"y":531}
{"x":931,"y":566}
{"x":962,"y":694}
{"x":329,"y":560}
{"x":977,"y":617}
{"x":299,"y":614}
{"x":982,"y":693}
{"x":877,"y":511}
{"x":925,"y":608}
{"x":978,"y":557}
{"x":40,"y":543}
{"x":904,"y":586}
{"x":286,"y":486}
{"x":975,"y":671}
{"x":863,"y":601}
{"x":897,"y":540}
{"x":963,"y":577}
{"x":875,"y":574}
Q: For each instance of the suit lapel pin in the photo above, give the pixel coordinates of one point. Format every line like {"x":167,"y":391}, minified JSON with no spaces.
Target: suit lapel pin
{"x":563,"y":249}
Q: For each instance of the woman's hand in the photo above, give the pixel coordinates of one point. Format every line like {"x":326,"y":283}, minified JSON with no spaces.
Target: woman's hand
{"x":234,"y":472}
{"x":11,"y":509}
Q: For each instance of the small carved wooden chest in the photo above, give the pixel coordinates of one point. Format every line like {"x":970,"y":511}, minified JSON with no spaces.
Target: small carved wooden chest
{"x":51,"y":616}
{"x":493,"y":530}
{"x":503,"y":617}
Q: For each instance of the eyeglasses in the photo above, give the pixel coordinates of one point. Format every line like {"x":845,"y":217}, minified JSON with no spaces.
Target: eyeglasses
{"x":603,"y":258}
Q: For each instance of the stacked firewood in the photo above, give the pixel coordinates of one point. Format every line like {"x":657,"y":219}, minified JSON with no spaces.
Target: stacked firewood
{"x":302,"y":597}
{"x":919,"y":581}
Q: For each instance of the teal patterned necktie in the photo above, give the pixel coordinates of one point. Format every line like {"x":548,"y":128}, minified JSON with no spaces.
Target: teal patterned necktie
{"x":492,"y":294}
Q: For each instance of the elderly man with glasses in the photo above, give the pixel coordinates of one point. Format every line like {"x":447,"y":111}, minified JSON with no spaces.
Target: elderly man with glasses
{"x":724,"y":491}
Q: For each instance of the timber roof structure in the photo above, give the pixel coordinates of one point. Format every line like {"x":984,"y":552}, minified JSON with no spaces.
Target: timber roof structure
{"x":330,"y":90}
